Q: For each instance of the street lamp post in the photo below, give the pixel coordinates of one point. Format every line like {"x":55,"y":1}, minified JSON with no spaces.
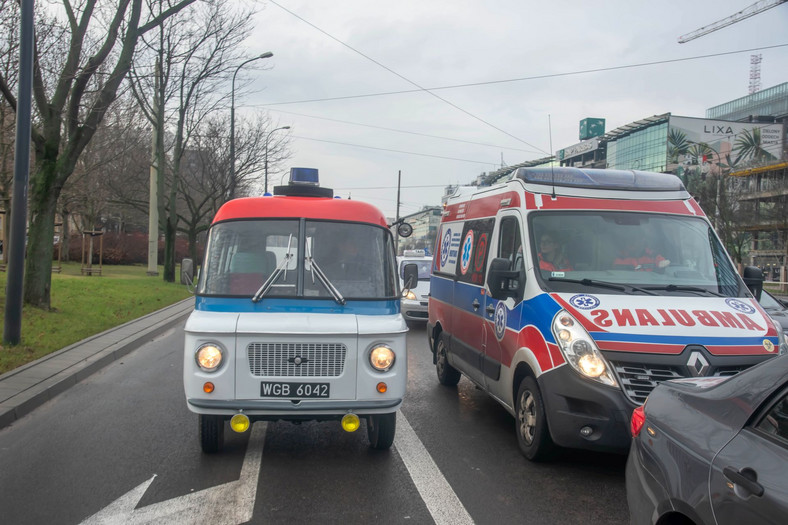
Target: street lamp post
{"x":265,"y":190}
{"x":267,"y":54}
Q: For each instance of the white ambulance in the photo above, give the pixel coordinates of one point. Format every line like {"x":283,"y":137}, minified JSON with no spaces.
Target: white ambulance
{"x":297,"y":316}
{"x":568,"y":295}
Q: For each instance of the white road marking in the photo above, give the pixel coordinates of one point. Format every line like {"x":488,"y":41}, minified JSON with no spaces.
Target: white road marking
{"x":230,"y":503}
{"x":443,"y":504}
{"x":233,"y":503}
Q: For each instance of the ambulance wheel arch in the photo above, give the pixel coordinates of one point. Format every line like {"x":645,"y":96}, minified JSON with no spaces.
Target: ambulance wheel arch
{"x":524,"y":364}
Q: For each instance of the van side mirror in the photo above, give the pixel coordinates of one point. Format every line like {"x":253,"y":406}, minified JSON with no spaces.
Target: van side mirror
{"x":411,"y":276}
{"x":753,"y":278}
{"x":503,"y":282}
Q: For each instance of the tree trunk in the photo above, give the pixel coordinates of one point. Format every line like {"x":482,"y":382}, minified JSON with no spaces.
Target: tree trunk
{"x":169,"y":251}
{"x":41,"y":234}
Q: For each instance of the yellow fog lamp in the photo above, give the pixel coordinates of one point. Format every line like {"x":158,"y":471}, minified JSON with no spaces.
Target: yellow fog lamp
{"x":350,"y":422}
{"x":240,"y":423}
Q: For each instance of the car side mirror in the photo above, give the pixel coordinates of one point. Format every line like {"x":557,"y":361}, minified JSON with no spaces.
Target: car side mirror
{"x":411,"y":275}
{"x":503,"y":282}
{"x":753,"y":278}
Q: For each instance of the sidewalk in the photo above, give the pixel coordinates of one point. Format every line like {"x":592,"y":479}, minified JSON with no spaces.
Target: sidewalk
{"x":29,"y":386}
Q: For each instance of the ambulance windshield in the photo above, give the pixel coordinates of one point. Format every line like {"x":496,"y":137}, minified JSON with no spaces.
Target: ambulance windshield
{"x":626,"y":252}
{"x":265,"y":258}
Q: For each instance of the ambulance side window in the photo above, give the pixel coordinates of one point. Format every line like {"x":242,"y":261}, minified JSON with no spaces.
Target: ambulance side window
{"x":474,"y":248}
{"x":510,"y":243}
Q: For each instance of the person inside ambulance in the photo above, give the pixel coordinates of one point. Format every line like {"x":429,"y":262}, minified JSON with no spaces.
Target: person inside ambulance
{"x":551,"y":254}
{"x":636,"y":255}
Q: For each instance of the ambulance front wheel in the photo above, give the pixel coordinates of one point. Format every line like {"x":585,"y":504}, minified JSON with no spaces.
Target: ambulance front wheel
{"x":211,"y":433}
{"x":447,"y":374}
{"x":381,"y":429}
{"x":533,"y":436}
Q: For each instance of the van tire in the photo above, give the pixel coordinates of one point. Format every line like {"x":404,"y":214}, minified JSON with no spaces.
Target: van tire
{"x":381,"y":429}
{"x":447,"y":374}
{"x":533,"y":435}
{"x":211,"y":433}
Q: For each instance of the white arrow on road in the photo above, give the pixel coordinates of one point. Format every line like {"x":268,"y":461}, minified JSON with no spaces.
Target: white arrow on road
{"x":231,"y":503}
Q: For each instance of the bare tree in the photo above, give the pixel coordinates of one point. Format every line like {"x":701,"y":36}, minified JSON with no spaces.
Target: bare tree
{"x":9,"y":23}
{"x":195,"y":60}
{"x":207,"y":183}
{"x":71,"y":101}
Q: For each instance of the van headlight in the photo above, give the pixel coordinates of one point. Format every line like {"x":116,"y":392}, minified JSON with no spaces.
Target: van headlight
{"x":381,"y":358}
{"x":580,"y":351}
{"x":408,"y":294}
{"x":209,"y":357}
{"x":782,"y":342}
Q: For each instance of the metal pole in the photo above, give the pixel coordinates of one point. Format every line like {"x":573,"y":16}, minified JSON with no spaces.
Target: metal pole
{"x":267,"y":54}
{"x":399,"y":183}
{"x":265,"y":189}
{"x":12,"y":332}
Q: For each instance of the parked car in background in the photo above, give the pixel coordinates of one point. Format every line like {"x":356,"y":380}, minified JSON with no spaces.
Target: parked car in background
{"x":776,"y":308}
{"x":415,"y":298}
{"x":712,"y":450}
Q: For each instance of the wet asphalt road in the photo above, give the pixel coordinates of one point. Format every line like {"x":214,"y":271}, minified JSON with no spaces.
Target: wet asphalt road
{"x":93,"y":444}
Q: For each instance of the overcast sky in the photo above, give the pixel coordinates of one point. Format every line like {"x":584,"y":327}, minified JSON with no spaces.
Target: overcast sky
{"x":346,"y":48}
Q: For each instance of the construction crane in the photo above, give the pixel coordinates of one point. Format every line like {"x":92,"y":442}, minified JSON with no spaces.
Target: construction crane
{"x":747,"y":12}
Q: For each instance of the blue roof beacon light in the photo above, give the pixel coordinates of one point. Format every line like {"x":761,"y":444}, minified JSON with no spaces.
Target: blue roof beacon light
{"x":304,"y":176}
{"x":304,"y":182}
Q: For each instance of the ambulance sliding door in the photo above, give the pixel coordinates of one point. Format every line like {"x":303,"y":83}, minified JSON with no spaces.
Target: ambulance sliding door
{"x":502,"y":318}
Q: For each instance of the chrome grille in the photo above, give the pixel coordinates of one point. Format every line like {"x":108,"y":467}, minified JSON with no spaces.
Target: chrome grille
{"x":279,"y":359}
{"x":638,"y":379}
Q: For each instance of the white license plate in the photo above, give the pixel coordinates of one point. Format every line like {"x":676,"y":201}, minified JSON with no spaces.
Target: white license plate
{"x":294,"y":390}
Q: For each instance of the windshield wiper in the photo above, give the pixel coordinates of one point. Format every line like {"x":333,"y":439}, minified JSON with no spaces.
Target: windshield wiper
{"x":603,"y":284}
{"x":683,"y":288}
{"x":316,"y":271}
{"x":275,"y":274}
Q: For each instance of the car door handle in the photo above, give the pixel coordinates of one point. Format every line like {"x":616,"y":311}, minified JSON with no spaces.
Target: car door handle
{"x":490,"y":309}
{"x":746,"y":478}
{"x":475,"y":304}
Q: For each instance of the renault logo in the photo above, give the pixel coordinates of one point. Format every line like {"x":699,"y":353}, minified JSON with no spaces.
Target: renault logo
{"x":697,"y":364}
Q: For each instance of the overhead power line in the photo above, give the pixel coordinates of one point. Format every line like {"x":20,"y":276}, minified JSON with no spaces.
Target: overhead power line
{"x":398,"y":130}
{"x":420,"y":88}
{"x":534,"y":77}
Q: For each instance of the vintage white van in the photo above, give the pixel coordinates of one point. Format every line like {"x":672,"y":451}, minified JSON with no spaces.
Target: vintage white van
{"x":569,"y":294}
{"x":297,"y":316}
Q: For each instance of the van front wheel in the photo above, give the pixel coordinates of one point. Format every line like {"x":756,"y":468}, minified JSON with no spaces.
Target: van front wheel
{"x":533,"y":435}
{"x":381,"y":429}
{"x":211,"y":433}
{"x":447,"y":374}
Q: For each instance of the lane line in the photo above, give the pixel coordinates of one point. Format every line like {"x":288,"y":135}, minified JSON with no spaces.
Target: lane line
{"x":443,"y":504}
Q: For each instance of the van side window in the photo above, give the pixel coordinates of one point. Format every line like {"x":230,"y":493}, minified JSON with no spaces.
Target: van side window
{"x":510,"y":244}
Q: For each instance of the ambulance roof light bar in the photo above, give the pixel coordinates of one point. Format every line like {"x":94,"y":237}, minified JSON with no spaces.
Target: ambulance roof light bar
{"x":629,"y":180}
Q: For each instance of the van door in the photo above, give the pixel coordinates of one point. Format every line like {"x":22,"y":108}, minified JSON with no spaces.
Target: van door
{"x":467,"y":343}
{"x":502,"y":318}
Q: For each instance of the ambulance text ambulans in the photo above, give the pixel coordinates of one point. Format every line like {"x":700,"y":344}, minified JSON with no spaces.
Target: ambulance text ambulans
{"x":568,"y":295}
{"x":297,"y":316}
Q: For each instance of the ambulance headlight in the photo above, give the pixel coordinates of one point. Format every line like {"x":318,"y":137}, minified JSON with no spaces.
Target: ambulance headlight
{"x":782,"y":339}
{"x":209,"y":357}
{"x":580,"y":351}
{"x":381,"y":358}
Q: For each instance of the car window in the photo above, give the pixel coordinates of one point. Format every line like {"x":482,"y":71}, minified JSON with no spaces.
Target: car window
{"x":775,"y":421}
{"x":767,"y":301}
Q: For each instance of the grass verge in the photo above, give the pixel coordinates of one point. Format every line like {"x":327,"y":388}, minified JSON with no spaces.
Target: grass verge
{"x":86,"y":305}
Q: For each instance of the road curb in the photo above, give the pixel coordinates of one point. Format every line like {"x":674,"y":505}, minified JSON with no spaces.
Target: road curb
{"x":24,"y":389}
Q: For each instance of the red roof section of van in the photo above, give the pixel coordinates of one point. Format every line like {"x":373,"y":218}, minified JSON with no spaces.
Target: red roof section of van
{"x":296,"y":207}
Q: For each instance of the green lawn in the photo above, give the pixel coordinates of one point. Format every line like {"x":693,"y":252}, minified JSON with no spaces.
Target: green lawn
{"x":86,"y":305}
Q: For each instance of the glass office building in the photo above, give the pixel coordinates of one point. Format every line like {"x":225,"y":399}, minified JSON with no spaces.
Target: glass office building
{"x":771,"y":102}
{"x":644,"y":148}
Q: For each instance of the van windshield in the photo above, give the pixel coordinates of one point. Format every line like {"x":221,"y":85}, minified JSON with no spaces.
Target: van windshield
{"x":615,"y":252}
{"x":356,"y":259}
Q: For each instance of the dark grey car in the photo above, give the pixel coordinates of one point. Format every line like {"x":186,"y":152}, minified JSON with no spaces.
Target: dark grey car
{"x":712,"y":450}
{"x":775,"y":308}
